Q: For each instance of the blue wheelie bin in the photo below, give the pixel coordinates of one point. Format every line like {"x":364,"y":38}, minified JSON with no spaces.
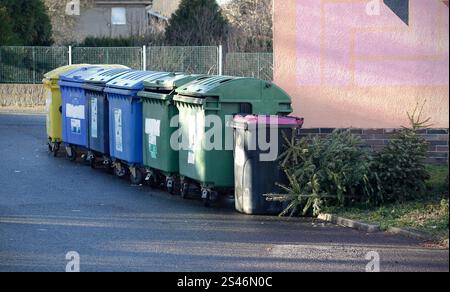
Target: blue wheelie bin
{"x":99,"y":115}
{"x":75,"y":108}
{"x":125,"y":123}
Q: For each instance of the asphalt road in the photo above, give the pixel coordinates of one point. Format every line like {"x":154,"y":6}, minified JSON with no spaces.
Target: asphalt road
{"x":50,"y":206}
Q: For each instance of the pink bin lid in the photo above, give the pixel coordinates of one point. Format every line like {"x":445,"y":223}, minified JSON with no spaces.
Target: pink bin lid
{"x":281,"y":120}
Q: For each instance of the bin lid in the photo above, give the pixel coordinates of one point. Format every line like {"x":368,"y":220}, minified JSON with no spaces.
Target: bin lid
{"x":213,"y":85}
{"x":134,"y":80}
{"x":82,"y":74}
{"x":265,"y":119}
{"x":106,"y":76}
{"x":55,"y":74}
{"x":171,"y":81}
{"x":263,"y":96}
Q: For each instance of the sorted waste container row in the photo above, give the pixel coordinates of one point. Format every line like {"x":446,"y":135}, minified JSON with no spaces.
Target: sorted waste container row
{"x":153,"y":126}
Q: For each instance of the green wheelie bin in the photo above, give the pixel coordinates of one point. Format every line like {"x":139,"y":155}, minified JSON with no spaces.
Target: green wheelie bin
{"x":159,"y":158}
{"x":205,"y":107}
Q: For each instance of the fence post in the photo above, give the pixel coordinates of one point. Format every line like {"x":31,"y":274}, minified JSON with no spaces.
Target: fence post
{"x":259,"y":65}
{"x":34,"y":64}
{"x":144,"y":58}
{"x":220,"y":60}
{"x":183,"y":49}
{"x":70,"y":55}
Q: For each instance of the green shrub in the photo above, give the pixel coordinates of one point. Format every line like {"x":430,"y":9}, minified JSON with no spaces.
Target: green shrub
{"x":324,"y":171}
{"x":336,"y":170}
{"x":150,"y":39}
{"x":7,"y":36}
{"x":437,"y":185}
{"x":399,"y":170}
{"x":29,"y":22}
{"x":197,"y":23}
{"x":106,"y":42}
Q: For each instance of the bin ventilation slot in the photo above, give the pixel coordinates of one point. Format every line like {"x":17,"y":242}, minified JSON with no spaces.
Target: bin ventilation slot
{"x":245,"y":108}
{"x":108,"y":74}
{"x":159,"y":91}
{"x":136,"y":75}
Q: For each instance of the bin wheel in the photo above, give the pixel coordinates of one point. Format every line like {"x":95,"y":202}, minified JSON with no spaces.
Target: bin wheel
{"x":71,"y":153}
{"x":120,"y":171}
{"x":106,"y":163}
{"x":170,"y":185}
{"x":184,"y":191}
{"x":152,"y":180}
{"x":136,"y":178}
{"x":55,"y":149}
{"x":209,"y":196}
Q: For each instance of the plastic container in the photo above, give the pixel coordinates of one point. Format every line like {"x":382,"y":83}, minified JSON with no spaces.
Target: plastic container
{"x":75,"y":107}
{"x":125,"y":122}
{"x":53,"y":103}
{"x":160,"y":159}
{"x":94,"y":87}
{"x":220,"y":97}
{"x":256,"y":172}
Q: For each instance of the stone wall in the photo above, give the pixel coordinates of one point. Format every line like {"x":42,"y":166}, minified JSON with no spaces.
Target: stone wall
{"x":21,"y":95}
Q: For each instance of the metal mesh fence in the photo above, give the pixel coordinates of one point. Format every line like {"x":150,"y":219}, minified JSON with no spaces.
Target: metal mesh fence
{"x":28,"y":64}
{"x":131,"y":57}
{"x":192,"y":60}
{"x":257,"y":65}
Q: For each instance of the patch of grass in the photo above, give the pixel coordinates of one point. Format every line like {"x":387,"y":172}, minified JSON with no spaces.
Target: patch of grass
{"x":429,"y":215}
{"x":438,"y":183}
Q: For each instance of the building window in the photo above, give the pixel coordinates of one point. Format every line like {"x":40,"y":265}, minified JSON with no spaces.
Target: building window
{"x":119,"y":16}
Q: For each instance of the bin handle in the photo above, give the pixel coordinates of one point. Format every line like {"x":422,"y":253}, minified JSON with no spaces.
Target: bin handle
{"x":208,"y":108}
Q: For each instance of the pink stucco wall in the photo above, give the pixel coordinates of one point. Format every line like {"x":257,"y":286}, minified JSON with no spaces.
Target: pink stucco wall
{"x":346,"y":66}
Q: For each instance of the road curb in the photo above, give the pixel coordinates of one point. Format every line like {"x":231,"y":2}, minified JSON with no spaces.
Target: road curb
{"x":410,"y":233}
{"x":372,"y":228}
{"x":369,"y":228}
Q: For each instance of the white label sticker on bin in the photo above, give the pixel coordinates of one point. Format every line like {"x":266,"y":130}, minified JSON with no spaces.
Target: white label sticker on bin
{"x":118,"y":129}
{"x":153,"y":127}
{"x":151,"y":139}
{"x":153,"y":148}
{"x":193,"y":135}
{"x":153,"y":130}
{"x":75,"y":126}
{"x":94,"y":121}
{"x":75,"y":111}
{"x":191,"y":157}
